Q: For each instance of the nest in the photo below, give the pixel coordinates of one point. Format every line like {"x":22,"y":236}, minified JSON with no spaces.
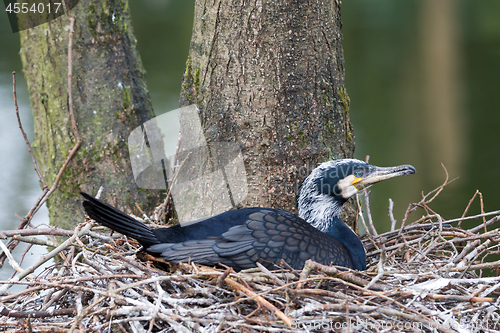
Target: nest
{"x":425,"y":276}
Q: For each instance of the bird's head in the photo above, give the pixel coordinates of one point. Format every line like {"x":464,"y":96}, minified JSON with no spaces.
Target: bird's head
{"x":329,"y":186}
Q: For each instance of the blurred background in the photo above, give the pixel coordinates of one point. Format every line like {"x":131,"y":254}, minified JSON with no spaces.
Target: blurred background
{"x":423,"y":78}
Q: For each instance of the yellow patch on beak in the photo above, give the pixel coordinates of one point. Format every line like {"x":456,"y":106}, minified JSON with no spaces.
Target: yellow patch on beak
{"x":356,"y":180}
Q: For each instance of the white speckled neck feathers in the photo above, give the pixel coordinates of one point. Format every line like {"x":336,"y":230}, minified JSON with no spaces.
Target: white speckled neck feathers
{"x":318,"y":209}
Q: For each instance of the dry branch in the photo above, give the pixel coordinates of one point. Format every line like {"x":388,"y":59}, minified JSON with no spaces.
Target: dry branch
{"x":110,"y":289}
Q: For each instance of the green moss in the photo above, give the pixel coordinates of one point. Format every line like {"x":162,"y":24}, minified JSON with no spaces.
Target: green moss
{"x":326,"y":99}
{"x":191,"y":83}
{"x":44,"y":99}
{"x":186,"y":79}
{"x":345,"y":101}
{"x":196,"y":80}
{"x":126,"y":99}
{"x":297,"y":134}
{"x":348,"y":135}
{"x":108,"y":20}
{"x":331,"y":154}
{"x":330,"y":127}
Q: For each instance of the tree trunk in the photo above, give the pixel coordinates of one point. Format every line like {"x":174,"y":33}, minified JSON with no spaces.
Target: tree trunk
{"x":269,"y":76}
{"x":110,"y":99}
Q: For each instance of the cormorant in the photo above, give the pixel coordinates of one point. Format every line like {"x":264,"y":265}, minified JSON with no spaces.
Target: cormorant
{"x":240,"y":238}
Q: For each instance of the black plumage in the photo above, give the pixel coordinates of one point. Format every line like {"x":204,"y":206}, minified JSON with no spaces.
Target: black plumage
{"x":240,"y":238}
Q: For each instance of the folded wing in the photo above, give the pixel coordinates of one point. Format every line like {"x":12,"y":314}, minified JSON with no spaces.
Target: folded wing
{"x":267,"y":236}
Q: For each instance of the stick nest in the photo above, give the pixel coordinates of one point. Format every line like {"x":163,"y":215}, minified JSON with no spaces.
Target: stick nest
{"x":425,"y":276}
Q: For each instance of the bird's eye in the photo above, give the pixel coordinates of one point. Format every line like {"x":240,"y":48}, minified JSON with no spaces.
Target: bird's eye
{"x":358,"y":173}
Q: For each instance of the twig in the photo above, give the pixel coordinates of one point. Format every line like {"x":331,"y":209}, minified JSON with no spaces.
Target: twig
{"x":467,"y":208}
{"x":427,"y":225}
{"x":490,"y":290}
{"x":157,"y":306}
{"x":235,"y":285}
{"x":391,"y":215}
{"x":46,"y":257}
{"x":273,"y":277}
{"x":466,"y":249}
{"x":473,"y":217}
{"x":457,"y":298}
{"x":70,"y":78}
{"x":361,"y":217}
{"x":290,"y":268}
{"x":223,"y":276}
{"x":487,"y":224}
{"x":169,"y":193}
{"x":473,"y":254}
{"x":35,"y":241}
{"x":333,"y":271}
{"x":12,"y":261}
{"x":380,"y":266}
{"x":50,"y":298}
{"x":25,"y":252}
{"x":35,"y":232}
{"x":367,"y":204}
{"x":38,"y":314}
{"x":368,"y":212}
{"x":99,"y":192}
{"x":424,"y":200}
{"x":482,"y":210}
{"x":144,"y":216}
{"x":33,"y":159}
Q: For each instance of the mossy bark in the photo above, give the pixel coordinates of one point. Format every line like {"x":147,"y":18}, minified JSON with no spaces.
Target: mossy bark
{"x":110,"y":99}
{"x":269,"y":75}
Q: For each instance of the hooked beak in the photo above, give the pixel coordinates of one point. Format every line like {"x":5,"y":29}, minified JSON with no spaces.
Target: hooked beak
{"x":377,"y":174}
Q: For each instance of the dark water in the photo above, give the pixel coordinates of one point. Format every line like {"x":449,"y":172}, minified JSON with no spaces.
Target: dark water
{"x":423,"y":78}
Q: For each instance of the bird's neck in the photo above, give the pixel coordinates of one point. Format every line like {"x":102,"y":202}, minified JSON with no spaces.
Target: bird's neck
{"x":323,"y":213}
{"x":350,"y":240}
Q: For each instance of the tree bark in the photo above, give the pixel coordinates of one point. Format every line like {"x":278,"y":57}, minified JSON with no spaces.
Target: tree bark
{"x":269,"y":76}
{"x":110,"y":99}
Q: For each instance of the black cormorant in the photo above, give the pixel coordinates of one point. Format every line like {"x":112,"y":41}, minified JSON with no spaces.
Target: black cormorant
{"x":240,"y":238}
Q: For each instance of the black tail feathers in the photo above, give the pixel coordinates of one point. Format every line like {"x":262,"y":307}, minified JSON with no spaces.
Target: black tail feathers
{"x":117,"y":220}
